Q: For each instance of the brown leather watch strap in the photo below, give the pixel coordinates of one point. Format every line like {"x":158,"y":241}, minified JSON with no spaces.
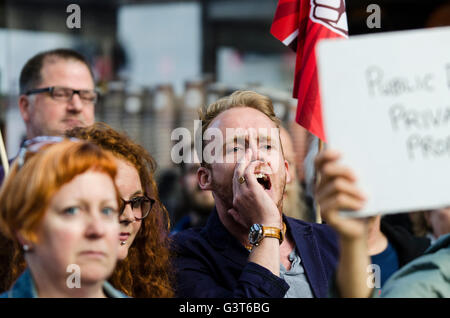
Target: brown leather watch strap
{"x":273,"y":232}
{"x":269,"y":231}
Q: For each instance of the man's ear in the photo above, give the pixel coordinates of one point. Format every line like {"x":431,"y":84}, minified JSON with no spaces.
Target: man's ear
{"x":204,"y":178}
{"x":24,"y":107}
{"x":288,"y":175}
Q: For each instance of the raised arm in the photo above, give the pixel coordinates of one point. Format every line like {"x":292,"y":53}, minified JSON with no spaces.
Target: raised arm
{"x":337,"y":190}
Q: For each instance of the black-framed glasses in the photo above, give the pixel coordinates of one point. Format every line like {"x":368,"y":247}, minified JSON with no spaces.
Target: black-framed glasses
{"x":65,"y":94}
{"x":140,"y":205}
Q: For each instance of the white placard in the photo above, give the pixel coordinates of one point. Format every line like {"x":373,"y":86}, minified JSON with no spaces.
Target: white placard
{"x":386,"y":108}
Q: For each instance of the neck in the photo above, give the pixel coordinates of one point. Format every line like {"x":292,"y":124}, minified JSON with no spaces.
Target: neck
{"x":49,"y":286}
{"x":376,"y":240}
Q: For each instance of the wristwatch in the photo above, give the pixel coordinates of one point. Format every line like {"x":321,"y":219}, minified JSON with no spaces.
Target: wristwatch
{"x":258,"y":232}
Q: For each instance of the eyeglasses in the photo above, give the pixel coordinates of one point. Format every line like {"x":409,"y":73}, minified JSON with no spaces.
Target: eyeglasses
{"x":141,"y":206}
{"x":33,"y":145}
{"x":65,"y":94}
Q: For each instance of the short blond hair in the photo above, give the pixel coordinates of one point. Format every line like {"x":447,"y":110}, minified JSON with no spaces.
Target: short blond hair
{"x":237,"y":99}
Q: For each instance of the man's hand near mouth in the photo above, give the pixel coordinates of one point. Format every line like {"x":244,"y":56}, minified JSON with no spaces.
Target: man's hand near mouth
{"x":252,"y":204}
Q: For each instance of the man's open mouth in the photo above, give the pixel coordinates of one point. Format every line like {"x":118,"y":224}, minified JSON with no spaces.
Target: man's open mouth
{"x":264,"y":180}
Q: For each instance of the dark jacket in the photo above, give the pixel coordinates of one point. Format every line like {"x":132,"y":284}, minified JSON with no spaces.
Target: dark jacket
{"x":407,"y":246}
{"x":210,"y":262}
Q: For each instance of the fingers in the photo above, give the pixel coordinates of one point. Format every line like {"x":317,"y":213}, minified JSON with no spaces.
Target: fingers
{"x":239,"y":171}
{"x":249,"y":173}
{"x":246,"y":168}
{"x":339,"y":185}
{"x":337,"y":189}
{"x":324,"y":157}
{"x":326,"y":164}
{"x":340,"y":202}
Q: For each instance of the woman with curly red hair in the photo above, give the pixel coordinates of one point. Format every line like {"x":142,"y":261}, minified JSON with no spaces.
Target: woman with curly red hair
{"x":144,"y":268}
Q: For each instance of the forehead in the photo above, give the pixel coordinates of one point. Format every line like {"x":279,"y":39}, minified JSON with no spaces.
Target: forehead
{"x":90,"y":184}
{"x":126,"y":169}
{"x":66,"y":72}
{"x":242,"y":118}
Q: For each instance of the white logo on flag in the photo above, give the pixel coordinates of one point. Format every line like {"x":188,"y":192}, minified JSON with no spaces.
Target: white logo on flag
{"x":331,"y":14}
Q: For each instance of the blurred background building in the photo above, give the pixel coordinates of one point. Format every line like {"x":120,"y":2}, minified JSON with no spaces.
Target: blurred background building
{"x":158,"y":61}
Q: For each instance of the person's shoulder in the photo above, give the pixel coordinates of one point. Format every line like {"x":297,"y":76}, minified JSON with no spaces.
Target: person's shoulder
{"x":426,"y":276}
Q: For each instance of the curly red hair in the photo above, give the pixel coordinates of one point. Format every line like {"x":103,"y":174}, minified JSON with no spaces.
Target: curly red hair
{"x":146,"y":271}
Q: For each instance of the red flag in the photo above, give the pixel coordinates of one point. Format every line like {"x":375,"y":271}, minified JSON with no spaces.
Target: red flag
{"x":300,"y":24}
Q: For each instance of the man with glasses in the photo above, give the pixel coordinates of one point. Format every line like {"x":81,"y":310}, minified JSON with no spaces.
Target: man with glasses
{"x":57,"y":93}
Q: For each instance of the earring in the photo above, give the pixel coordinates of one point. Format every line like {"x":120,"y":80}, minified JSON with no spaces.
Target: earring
{"x":26,"y":248}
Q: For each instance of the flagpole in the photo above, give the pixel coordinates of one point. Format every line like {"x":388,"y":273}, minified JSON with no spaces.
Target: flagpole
{"x":5,"y":162}
{"x":318,"y":215}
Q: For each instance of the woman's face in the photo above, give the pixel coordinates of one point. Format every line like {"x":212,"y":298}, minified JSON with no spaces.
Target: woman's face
{"x":79,"y":227}
{"x":129,"y":185}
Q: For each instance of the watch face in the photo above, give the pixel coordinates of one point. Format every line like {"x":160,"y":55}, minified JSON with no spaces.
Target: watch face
{"x":255,"y":234}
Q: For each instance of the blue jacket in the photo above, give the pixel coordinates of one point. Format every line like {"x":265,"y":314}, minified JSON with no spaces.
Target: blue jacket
{"x":210,"y":262}
{"x":24,"y":288}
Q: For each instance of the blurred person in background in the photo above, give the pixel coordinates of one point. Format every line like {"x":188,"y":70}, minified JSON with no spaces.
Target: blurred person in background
{"x":196,"y":204}
{"x":432,"y":223}
{"x":59,"y":205}
{"x":293,"y":199}
{"x":57,"y":93}
{"x":144,"y":267}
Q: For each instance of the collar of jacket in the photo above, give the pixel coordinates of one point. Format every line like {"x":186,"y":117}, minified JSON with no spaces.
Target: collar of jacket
{"x":442,"y":242}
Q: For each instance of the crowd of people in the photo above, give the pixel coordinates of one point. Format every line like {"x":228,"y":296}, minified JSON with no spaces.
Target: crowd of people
{"x":81,"y":214}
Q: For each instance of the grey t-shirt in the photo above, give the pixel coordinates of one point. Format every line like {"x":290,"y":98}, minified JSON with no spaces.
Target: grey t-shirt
{"x":298,"y":283}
